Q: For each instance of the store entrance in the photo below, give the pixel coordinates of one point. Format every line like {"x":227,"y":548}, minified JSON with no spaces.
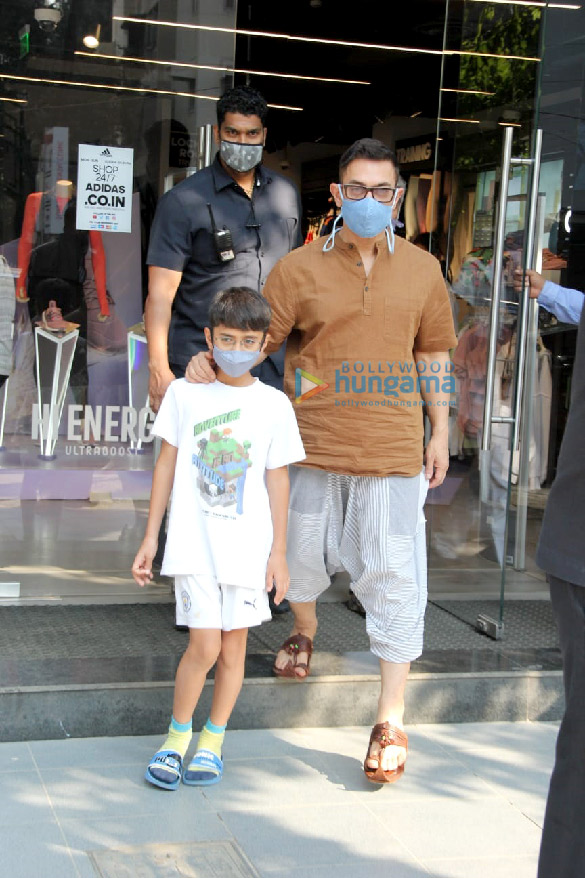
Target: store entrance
{"x":460,"y":95}
{"x":505,"y":200}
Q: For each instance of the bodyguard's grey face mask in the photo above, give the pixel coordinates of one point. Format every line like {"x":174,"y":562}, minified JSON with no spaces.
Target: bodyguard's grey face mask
{"x":241,"y":157}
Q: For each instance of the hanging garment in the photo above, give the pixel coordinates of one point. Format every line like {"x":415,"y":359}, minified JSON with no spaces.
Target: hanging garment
{"x":474,"y":282}
{"x":32,"y":235}
{"x":463,"y":234}
{"x":7,"y":308}
{"x":410,"y":220}
{"x":424,"y":189}
{"x":432,"y":213}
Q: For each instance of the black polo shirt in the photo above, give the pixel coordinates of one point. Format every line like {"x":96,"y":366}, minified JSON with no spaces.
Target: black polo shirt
{"x":263,"y":228}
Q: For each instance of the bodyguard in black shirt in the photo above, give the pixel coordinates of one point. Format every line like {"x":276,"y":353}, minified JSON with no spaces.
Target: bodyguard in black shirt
{"x":225,"y":226}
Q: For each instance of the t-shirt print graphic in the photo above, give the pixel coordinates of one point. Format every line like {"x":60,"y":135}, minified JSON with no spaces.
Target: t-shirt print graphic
{"x":222,"y":462}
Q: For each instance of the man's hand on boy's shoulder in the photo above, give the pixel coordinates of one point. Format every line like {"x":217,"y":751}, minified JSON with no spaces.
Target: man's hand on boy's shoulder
{"x":201,"y":368}
{"x":277,"y":575}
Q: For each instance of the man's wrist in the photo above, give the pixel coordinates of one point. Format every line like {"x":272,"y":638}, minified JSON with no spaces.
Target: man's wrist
{"x":158,"y":368}
{"x":440,"y":431}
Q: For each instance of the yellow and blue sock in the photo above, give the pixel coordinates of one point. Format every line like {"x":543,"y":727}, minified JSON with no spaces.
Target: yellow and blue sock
{"x":179,"y":737}
{"x":211,"y":738}
{"x":206,"y":767}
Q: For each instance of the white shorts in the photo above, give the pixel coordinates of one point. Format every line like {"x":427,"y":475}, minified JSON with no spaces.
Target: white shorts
{"x":375,"y":529}
{"x":203,"y":602}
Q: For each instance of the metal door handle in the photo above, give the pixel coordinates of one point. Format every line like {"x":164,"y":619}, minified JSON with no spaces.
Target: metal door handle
{"x":529,"y":262}
{"x":496,"y":290}
{"x":488,"y":416}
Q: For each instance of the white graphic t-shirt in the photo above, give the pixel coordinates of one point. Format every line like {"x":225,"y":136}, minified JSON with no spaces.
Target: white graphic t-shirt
{"x":220,"y":520}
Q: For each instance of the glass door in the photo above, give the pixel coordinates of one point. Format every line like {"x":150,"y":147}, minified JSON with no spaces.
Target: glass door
{"x":486,"y":229}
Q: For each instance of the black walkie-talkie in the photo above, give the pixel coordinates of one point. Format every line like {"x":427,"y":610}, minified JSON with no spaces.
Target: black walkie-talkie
{"x":222,"y":238}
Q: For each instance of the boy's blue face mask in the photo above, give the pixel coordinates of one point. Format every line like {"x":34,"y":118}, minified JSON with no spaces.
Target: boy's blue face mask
{"x":235,"y":363}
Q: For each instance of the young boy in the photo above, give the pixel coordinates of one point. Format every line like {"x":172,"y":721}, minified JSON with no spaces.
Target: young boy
{"x":225,"y":451}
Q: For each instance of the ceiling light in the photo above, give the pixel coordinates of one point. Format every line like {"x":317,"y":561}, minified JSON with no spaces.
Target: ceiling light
{"x":298,"y":39}
{"x":220,"y":69}
{"x":150,"y":91}
{"x":467,"y":121}
{"x":468,"y":91}
{"x":14,"y":100}
{"x":414,"y":115}
{"x":92,"y":40}
{"x":523,"y":3}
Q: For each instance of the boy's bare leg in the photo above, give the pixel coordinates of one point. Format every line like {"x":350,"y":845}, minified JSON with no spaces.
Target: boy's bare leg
{"x":390,"y":709}
{"x":199,"y":657}
{"x":305,"y":622}
{"x":229,"y":675}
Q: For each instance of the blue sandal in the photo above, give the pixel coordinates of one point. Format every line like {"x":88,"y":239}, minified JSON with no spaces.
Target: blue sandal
{"x":205,"y":768}
{"x":164,"y":770}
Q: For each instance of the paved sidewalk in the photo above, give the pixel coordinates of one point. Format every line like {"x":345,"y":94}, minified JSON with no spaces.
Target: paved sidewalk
{"x":292,"y":803}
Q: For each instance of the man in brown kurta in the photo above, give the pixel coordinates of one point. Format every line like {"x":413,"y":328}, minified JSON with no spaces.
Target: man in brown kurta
{"x":368,"y":326}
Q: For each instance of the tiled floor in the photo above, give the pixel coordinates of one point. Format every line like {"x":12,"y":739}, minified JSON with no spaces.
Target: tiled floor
{"x":292,"y":801}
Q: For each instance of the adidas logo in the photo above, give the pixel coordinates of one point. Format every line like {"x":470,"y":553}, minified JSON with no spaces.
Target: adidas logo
{"x":106,"y":152}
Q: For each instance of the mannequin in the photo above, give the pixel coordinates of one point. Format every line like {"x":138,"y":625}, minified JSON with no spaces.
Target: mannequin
{"x":7,"y":305}
{"x":31,"y":235}
{"x":52,"y":269}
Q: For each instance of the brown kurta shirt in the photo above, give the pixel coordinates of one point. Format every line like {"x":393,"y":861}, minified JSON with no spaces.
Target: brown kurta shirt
{"x":359,"y":334}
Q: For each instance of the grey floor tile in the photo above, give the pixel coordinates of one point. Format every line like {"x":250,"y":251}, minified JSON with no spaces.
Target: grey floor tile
{"x":509,"y":867}
{"x":16,"y":756}
{"x":42,"y":852}
{"x":80,"y":752}
{"x":351,"y":740}
{"x":475,"y":736}
{"x":83,"y":864}
{"x":181,"y":827}
{"x":449,"y":828}
{"x":390,"y":868}
{"x":23,"y":799}
{"x":257,"y":743}
{"x":511,"y":772}
{"x":426,"y":775}
{"x":277,"y":781}
{"x":110,"y":792}
{"x":431,"y":769}
{"x":313,"y":836}
{"x":531,"y":806}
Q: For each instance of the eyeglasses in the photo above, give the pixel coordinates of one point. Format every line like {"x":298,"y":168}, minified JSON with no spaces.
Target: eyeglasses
{"x":355,"y":192}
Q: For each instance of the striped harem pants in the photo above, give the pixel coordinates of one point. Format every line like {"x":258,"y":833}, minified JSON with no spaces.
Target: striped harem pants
{"x":374,"y":528}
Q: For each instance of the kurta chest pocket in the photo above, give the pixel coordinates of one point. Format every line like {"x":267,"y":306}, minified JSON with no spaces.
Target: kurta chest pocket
{"x":400,"y":322}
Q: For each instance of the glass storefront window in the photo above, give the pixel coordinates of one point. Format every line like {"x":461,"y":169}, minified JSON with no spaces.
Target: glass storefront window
{"x":91,"y":137}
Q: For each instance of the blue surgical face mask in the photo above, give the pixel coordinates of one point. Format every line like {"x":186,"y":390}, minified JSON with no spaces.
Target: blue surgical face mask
{"x":366,"y":218}
{"x":235,"y":363}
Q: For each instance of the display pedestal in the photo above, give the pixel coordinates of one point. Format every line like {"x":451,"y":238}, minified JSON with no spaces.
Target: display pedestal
{"x":55,"y":353}
{"x":138,"y":376}
{"x":3,"y":398}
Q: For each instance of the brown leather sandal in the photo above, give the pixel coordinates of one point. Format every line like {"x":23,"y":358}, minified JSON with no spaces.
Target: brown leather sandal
{"x":386,"y":736}
{"x":293,"y":646}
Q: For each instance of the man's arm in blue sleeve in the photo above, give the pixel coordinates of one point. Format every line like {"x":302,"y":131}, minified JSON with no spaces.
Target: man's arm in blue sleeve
{"x":565,"y":304}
